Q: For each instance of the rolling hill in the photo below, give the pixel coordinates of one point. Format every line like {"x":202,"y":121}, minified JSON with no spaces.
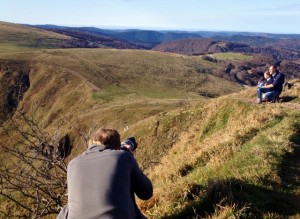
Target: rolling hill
{"x":237,"y":58}
{"x":204,"y":46}
{"x":209,"y":150}
{"x":107,"y":75}
{"x":262,"y":41}
{"x":145,"y":39}
{"x":15,"y":38}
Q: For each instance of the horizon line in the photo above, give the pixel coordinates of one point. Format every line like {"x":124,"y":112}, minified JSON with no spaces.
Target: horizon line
{"x":117,"y":27}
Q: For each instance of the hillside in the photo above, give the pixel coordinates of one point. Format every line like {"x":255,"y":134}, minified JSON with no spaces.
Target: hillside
{"x":84,"y":38}
{"x":145,"y":39}
{"x":219,"y":157}
{"x":262,"y":41}
{"x":226,"y":158}
{"x":236,"y":59}
{"x":236,"y":66}
{"x":187,"y":46}
{"x":204,"y":46}
{"x":15,"y":37}
{"x":84,"y":82}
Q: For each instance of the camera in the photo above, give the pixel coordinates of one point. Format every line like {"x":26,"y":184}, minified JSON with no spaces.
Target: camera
{"x":129,"y":144}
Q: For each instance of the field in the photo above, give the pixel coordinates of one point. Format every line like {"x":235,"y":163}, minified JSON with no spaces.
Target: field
{"x":233,"y":56}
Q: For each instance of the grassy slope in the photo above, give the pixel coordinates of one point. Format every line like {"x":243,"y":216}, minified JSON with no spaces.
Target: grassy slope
{"x":18,"y":38}
{"x":233,"y":56}
{"x":88,"y":87}
{"x":231,"y":153}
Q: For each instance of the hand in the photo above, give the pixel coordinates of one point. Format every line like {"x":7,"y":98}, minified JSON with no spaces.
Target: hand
{"x":128,"y":148}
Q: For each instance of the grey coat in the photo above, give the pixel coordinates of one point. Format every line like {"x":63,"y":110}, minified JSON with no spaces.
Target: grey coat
{"x":102,"y":183}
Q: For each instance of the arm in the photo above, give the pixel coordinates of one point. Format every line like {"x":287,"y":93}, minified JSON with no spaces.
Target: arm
{"x":141,"y":184}
{"x":268,"y":86}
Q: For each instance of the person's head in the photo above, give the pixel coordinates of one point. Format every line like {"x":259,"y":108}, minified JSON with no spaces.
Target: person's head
{"x":267,"y":75}
{"x":107,"y":137}
{"x":273,"y":70}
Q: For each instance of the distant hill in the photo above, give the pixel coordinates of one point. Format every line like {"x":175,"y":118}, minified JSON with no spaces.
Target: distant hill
{"x":88,"y":39}
{"x":14,"y":37}
{"x":209,"y":46}
{"x":146,"y":39}
{"x":262,"y":41}
{"x":188,"y":46}
{"x":150,"y":38}
{"x":154,"y":37}
{"x":214,"y":34}
{"x":236,"y":66}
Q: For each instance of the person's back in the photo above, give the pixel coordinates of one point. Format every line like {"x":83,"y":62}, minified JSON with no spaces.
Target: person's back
{"x":102,"y":183}
{"x":98,"y":185}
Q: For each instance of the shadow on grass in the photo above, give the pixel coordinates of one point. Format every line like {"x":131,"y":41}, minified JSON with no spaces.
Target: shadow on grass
{"x":289,"y":171}
{"x":258,"y":200}
{"x":287,"y":98}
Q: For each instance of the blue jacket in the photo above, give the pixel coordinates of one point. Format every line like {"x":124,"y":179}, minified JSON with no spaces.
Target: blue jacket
{"x":278,"y":81}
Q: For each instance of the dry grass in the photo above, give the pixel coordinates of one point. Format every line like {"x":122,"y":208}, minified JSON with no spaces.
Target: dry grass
{"x":227,"y":139}
{"x":16,"y":38}
{"x":93,"y":86}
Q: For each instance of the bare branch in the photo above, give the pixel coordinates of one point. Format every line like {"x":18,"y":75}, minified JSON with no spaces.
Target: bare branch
{"x":34,"y":175}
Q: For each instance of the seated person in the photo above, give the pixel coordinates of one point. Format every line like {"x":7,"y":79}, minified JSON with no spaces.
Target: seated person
{"x":266,"y":80}
{"x":271,"y":91}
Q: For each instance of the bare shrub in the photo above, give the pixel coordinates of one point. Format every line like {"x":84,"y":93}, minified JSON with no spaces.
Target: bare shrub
{"x":33,"y":170}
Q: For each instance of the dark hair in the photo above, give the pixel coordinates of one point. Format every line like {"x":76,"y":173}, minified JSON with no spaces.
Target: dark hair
{"x":267,"y":73}
{"x":107,"y":137}
{"x":275,"y":67}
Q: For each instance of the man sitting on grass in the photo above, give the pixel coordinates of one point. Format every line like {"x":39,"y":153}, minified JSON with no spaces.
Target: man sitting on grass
{"x":271,"y":91}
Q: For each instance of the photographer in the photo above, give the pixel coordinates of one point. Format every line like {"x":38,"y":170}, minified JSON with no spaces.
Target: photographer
{"x":103,"y":180}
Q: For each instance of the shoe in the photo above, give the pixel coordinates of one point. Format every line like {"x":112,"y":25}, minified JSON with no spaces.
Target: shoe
{"x":258,"y":101}
{"x":275,"y":99}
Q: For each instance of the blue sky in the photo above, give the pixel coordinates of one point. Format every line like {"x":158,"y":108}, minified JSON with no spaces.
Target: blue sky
{"x":272,"y":16}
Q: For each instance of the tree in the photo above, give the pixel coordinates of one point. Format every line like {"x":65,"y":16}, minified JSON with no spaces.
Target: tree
{"x":33,"y":168}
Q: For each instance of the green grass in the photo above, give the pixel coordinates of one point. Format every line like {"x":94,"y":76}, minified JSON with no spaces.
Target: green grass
{"x":117,"y":93}
{"x":218,"y":121}
{"x":233,"y":56}
{"x":112,"y":93}
{"x":12,"y":48}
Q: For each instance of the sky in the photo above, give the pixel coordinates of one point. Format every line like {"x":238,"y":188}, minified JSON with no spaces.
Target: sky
{"x":269,"y":16}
